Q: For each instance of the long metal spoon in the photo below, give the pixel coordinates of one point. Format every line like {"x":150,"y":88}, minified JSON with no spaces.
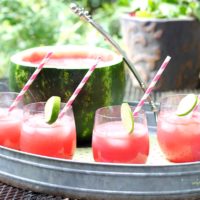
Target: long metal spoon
{"x":85,"y":15}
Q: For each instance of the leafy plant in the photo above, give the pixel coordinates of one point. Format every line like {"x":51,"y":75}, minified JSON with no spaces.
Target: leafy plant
{"x":166,"y":8}
{"x":26,"y":24}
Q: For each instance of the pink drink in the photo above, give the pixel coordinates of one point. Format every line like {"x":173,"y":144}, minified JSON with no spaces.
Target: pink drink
{"x":55,"y":140}
{"x":179,"y":137}
{"x":10,"y":127}
{"x":111,"y":143}
{"x":10,"y":122}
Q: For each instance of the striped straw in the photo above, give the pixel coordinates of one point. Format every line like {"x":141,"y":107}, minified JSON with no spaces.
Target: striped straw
{"x":78,"y":89}
{"x":29,"y":82}
{"x":151,"y":86}
{"x":196,"y":107}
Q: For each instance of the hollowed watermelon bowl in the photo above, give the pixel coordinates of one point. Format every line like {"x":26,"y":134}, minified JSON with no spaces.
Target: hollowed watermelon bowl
{"x":62,"y":74}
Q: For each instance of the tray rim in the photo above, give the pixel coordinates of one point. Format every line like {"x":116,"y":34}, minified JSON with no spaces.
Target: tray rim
{"x":7,"y":151}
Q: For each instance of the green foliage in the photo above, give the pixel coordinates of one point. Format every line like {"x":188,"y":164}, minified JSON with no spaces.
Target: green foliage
{"x":26,"y":24}
{"x":31,"y":23}
{"x":166,"y":8}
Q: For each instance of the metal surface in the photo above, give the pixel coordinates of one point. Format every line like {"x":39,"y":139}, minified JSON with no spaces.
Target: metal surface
{"x":86,"y":179}
{"x":8,"y":192}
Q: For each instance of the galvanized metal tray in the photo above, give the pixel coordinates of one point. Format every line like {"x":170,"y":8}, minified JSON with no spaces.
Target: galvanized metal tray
{"x":85,"y":179}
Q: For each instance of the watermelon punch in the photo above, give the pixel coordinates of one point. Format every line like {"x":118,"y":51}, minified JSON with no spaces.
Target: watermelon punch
{"x":11,"y":111}
{"x":178,"y":130}
{"x":64,"y":72}
{"x":10,"y":122}
{"x":113,"y":143}
{"x":56,"y":139}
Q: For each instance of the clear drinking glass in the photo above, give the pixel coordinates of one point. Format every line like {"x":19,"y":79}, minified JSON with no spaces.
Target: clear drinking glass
{"x":178,"y":137}
{"x":56,"y":140}
{"x":112,"y":143}
{"x":10,"y":122}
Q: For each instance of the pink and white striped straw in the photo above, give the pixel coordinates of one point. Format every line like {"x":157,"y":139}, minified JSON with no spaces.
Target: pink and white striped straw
{"x":78,"y":89}
{"x":152,"y":85}
{"x":29,"y":82}
{"x":196,"y":107}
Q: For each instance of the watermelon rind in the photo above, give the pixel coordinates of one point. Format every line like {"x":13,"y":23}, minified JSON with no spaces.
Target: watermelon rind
{"x":105,"y":87}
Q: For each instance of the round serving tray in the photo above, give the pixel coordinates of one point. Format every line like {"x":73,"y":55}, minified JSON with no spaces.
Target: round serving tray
{"x":85,"y":179}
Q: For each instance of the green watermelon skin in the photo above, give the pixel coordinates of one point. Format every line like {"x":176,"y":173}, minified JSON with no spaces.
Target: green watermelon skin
{"x":105,"y":87}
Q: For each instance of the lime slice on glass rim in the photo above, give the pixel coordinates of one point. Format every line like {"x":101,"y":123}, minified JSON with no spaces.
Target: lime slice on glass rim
{"x":187,"y":104}
{"x":52,"y":109}
{"x":127,"y":117}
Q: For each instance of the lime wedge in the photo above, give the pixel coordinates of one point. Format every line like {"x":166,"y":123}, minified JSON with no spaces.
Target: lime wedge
{"x":52,"y":109}
{"x":127,"y":117}
{"x":187,"y":104}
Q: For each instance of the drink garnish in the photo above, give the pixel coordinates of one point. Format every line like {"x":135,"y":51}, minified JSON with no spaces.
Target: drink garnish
{"x":52,"y":109}
{"x":127,"y":117}
{"x":187,"y":104}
